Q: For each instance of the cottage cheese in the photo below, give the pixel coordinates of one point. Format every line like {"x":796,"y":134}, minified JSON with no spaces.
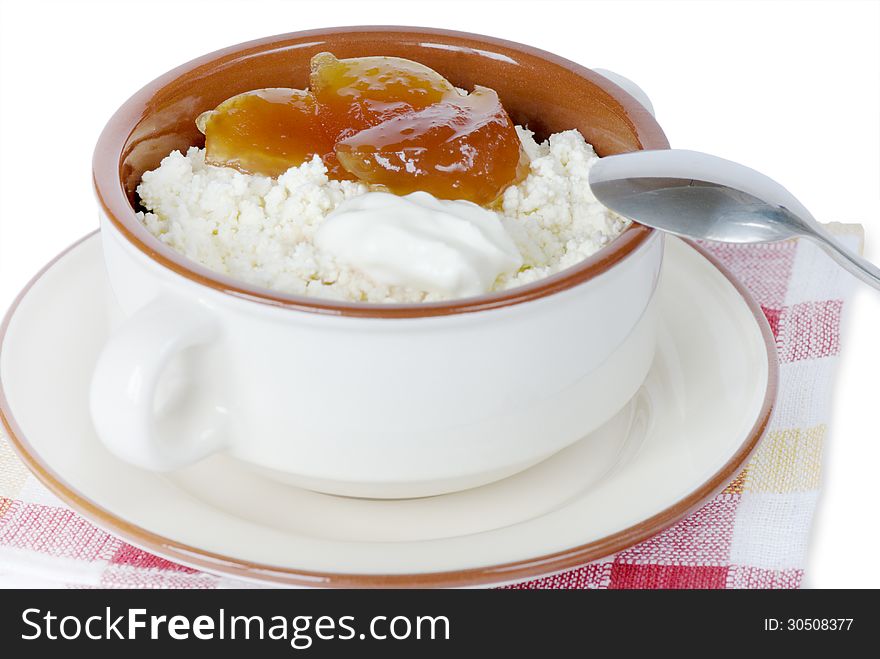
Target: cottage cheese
{"x":262,"y":230}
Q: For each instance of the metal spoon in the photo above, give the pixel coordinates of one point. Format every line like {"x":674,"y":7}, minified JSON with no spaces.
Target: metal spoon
{"x":696,"y":195}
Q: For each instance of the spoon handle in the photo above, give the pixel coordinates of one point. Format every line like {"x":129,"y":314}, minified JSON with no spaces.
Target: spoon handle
{"x":855,"y":264}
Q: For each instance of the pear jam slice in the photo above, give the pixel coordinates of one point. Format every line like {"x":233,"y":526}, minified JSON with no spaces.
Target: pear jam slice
{"x":386,"y":121}
{"x":361,"y":92}
{"x":265,"y":131}
{"x":464,"y":147}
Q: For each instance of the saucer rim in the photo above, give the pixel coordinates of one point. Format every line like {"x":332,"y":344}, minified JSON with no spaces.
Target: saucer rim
{"x":514,"y":571}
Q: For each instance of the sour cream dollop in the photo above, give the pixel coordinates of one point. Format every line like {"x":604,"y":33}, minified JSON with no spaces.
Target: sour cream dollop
{"x":453,"y":248}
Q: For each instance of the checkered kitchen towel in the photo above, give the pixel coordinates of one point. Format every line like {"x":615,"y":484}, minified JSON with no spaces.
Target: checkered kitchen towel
{"x":752,"y":535}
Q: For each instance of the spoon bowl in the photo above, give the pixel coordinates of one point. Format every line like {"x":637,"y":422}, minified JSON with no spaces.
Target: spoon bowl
{"x":696,"y":195}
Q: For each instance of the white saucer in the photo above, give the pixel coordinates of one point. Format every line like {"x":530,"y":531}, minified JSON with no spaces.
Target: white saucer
{"x":701,"y":411}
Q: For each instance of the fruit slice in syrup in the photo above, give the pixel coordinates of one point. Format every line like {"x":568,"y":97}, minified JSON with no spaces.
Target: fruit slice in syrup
{"x":264,"y":131}
{"x":463,"y":147}
{"x":360,"y":92}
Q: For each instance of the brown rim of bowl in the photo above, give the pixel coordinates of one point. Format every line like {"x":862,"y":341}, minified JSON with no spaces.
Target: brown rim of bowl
{"x":114,"y":201}
{"x":493,"y":574}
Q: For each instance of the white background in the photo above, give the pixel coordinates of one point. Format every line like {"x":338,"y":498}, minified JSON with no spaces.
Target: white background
{"x":789,"y":88}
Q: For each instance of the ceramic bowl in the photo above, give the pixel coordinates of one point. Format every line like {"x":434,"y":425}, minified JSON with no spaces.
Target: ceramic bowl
{"x":364,"y":399}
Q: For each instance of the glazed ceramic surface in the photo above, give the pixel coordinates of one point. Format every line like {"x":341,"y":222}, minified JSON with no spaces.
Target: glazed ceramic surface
{"x":687,"y":431}
{"x":359,"y":399}
{"x":366,"y":406}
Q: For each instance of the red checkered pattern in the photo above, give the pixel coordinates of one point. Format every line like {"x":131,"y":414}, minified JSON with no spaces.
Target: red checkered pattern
{"x":752,"y":535}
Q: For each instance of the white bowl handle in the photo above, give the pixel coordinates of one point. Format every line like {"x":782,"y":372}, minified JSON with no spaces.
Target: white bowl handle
{"x":124,"y":387}
{"x":629,"y":87}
